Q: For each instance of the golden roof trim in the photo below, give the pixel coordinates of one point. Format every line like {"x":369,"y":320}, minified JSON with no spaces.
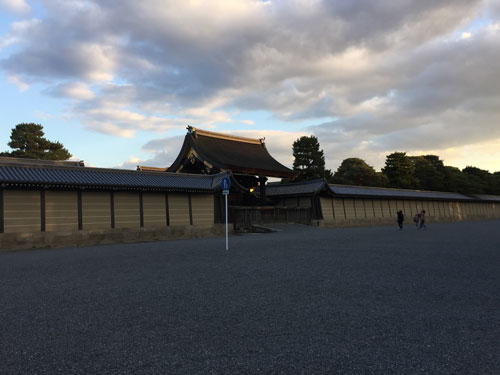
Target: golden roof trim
{"x":228,"y":137}
{"x":152,"y":169}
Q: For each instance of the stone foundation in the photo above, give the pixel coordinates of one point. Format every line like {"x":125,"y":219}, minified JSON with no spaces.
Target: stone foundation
{"x":17,"y":241}
{"x":372,"y":222}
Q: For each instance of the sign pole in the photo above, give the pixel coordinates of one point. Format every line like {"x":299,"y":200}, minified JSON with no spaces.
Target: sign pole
{"x":227,"y":239}
{"x":225,"y":185}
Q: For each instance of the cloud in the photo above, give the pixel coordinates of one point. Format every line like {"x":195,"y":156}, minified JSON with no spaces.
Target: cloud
{"x":247,"y":122}
{"x":16,"y":6}
{"x":18,"y":82}
{"x":42,"y":115}
{"x":73,"y":90}
{"x":164,"y":151}
{"x":372,"y":76}
{"x":6,"y":41}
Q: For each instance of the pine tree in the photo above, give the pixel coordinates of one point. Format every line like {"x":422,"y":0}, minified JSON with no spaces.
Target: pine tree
{"x":27,"y":141}
{"x":399,"y":170}
{"x":309,"y":159}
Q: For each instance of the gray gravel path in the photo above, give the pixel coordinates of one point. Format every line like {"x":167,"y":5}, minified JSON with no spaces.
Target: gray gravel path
{"x":303,"y":300}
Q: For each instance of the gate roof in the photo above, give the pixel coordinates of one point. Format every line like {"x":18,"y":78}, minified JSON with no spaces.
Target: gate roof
{"x":227,"y":152}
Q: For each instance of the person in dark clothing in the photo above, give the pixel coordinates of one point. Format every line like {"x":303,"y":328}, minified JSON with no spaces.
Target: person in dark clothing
{"x":401,"y":218}
{"x":422,"y":220}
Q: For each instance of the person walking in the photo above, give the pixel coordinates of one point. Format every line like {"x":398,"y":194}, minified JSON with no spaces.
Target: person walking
{"x":422,"y":220}
{"x":401,"y":218}
{"x":416,"y":220}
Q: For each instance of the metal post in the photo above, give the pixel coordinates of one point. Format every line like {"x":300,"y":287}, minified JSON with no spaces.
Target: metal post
{"x":225,"y":185}
{"x":227,"y":241}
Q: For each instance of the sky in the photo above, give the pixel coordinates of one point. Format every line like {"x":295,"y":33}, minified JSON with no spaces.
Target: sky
{"x":118,"y":82}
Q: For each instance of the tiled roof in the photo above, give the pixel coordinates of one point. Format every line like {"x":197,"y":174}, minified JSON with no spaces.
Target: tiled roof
{"x":485,"y":197}
{"x":394,"y":193}
{"x":63,"y":176}
{"x":316,"y":186}
{"x":298,"y":188}
{"x":226,"y":152}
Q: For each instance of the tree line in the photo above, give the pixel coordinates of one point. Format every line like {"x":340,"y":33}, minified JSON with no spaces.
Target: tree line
{"x":423,"y":172}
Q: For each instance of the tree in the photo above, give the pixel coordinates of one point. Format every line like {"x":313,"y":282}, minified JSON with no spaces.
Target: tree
{"x":309,"y":159}
{"x":27,"y":141}
{"x":355,"y":171}
{"x":457,"y":181}
{"x":495,"y":180}
{"x":481,"y":178}
{"x":429,"y":172}
{"x":399,"y":170}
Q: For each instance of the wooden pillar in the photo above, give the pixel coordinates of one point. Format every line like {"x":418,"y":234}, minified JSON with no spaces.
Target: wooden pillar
{"x":141,"y":210}
{"x":262,"y":186}
{"x":190,"y":209}
{"x":1,"y":212}
{"x":112,"y":205}
{"x":42,"y":210}
{"x":166,"y":209}
{"x":80,"y":212}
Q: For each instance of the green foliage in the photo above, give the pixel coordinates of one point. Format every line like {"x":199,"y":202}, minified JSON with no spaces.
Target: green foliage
{"x":481,"y":180}
{"x":459,"y":182}
{"x":429,"y":172}
{"x":495,"y":184}
{"x":309,"y":159}
{"x":399,"y":170}
{"x":27,"y":141}
{"x":355,"y":171}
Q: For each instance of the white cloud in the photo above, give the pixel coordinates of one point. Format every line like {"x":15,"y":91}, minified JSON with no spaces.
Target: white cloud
{"x":16,"y":6}
{"x":73,"y":90}
{"x":131,"y":163}
{"x":6,"y":41}
{"x":110,"y":128}
{"x":42,"y":115}
{"x":18,"y":82}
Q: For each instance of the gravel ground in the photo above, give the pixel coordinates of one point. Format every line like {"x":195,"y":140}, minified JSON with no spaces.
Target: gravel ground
{"x":303,"y":300}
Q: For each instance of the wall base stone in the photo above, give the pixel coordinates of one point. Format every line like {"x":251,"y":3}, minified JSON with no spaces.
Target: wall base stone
{"x":373,"y":222}
{"x":20,"y":241}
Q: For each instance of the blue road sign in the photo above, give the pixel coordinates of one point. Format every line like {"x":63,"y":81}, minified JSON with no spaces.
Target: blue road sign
{"x":225,"y":183}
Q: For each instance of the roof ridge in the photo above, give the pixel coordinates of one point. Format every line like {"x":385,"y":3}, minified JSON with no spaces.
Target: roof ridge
{"x":40,"y":162}
{"x":151,"y":169}
{"x":277,"y":183}
{"x":396,"y":189}
{"x":110,"y":170}
{"x":227,"y":137}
